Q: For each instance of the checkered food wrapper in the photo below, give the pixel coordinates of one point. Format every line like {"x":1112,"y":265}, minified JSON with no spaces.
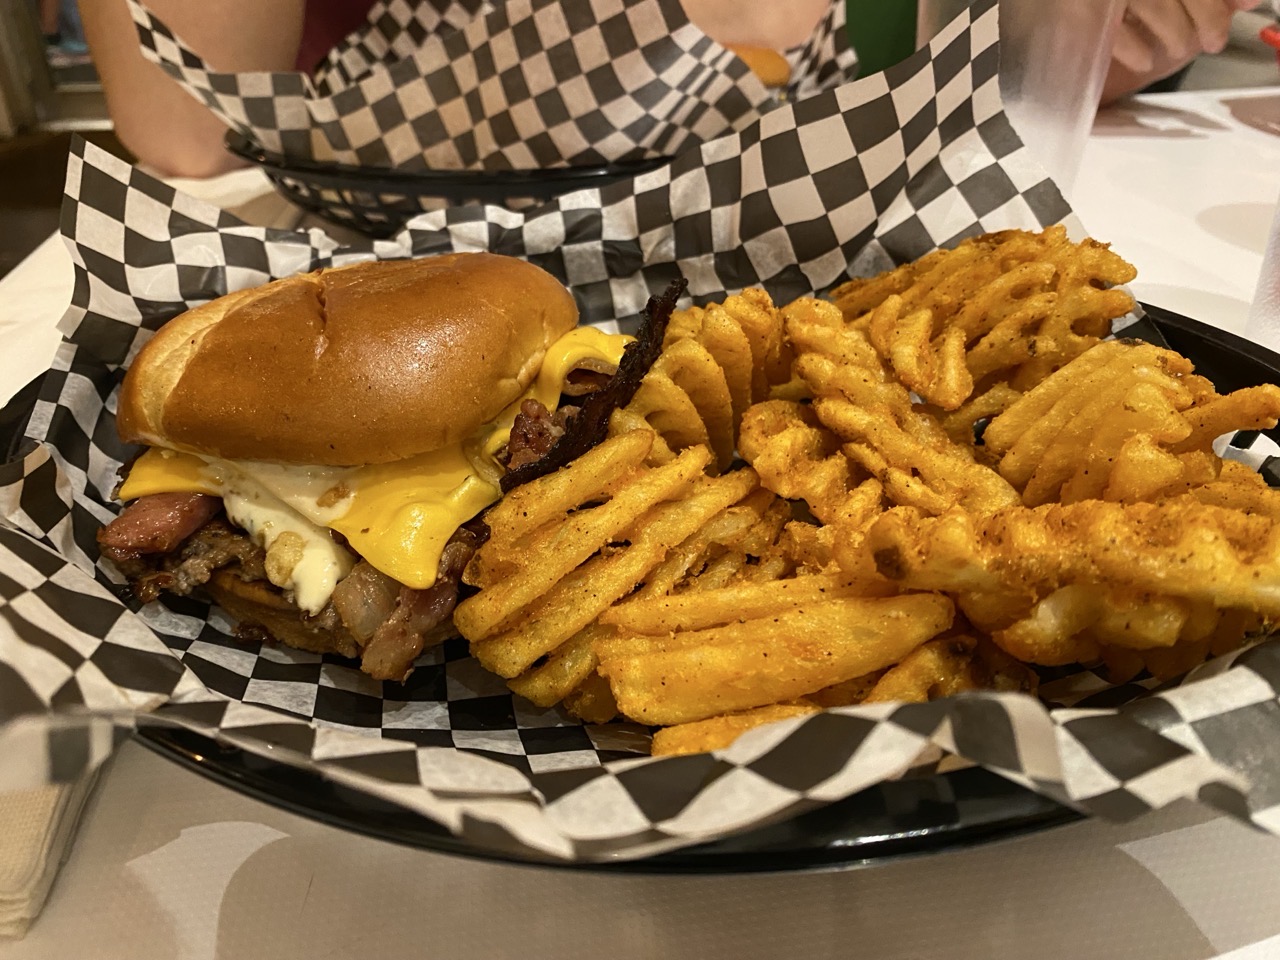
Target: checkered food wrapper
{"x":503,"y":85}
{"x":846,"y":181}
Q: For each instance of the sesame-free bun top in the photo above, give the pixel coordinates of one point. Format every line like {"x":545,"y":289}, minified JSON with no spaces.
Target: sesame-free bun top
{"x":369,"y":363}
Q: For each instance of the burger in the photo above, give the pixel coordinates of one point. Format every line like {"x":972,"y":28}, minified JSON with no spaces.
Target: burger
{"x":318,"y":448}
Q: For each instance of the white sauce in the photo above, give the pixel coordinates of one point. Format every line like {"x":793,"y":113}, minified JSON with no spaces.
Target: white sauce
{"x":298,"y":486}
{"x":269,"y":502}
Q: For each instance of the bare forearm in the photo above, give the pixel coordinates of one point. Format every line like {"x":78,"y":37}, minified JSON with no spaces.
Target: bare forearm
{"x":773,"y":24}
{"x":156,"y":119}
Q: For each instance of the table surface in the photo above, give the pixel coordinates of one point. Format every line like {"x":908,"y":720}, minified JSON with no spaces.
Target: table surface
{"x":168,"y":865}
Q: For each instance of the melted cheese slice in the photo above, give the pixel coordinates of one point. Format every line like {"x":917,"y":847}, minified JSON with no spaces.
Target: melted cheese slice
{"x":398,"y":516}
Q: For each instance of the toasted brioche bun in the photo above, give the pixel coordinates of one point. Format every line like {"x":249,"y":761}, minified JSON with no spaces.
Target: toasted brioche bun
{"x":364,"y":364}
{"x":254,"y":602}
{"x":769,"y":66}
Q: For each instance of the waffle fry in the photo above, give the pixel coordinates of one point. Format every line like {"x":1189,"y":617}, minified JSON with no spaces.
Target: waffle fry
{"x":931,"y":366}
{"x":716,"y":733}
{"x":1122,"y":422}
{"x":1056,"y":584}
{"x":716,"y":361}
{"x":646,"y":516}
{"x":948,"y":666}
{"x":1005,"y":307}
{"x":800,"y":460}
{"x":951,"y":476}
{"x":696,"y":674}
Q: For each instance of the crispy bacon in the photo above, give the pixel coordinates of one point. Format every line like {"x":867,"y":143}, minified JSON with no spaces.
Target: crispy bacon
{"x":591,"y":425}
{"x":534,"y":432}
{"x":394,"y":622}
{"x":364,"y":599}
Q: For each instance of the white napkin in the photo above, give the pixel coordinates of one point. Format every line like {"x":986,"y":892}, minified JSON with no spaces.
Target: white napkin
{"x":36,"y":827}
{"x":1264,"y":318}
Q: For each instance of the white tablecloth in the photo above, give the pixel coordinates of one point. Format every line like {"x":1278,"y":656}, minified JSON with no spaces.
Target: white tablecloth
{"x":168,"y":865}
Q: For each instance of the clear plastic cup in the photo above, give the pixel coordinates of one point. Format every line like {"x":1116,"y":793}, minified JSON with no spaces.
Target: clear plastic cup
{"x":1053,"y":63}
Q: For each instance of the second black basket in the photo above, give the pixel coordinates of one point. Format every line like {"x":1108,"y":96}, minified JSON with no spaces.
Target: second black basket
{"x":377,"y":202}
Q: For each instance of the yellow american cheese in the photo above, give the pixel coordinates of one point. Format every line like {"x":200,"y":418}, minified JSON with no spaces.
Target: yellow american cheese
{"x":168,"y":471}
{"x":398,"y":516}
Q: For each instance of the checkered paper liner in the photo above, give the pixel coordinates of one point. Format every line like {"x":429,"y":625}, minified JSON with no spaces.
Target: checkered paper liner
{"x":507,"y":85}
{"x":842,"y":182}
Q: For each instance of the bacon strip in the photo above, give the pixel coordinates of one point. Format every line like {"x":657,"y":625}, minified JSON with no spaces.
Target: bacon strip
{"x":393,"y":628}
{"x":156,"y":524}
{"x":591,"y":425}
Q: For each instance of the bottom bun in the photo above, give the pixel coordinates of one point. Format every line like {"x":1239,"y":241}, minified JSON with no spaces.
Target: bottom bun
{"x":252,"y":603}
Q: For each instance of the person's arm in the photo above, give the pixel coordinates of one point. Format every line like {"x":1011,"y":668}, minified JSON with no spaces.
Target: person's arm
{"x":772,"y":24}
{"x":164,"y":126}
{"x":1158,"y":37}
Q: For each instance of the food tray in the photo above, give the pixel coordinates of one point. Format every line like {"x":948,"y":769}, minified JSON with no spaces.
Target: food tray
{"x":915,"y":815}
{"x":377,"y":203}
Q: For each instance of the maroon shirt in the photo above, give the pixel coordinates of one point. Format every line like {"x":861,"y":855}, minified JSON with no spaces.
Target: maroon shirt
{"x":324,"y":25}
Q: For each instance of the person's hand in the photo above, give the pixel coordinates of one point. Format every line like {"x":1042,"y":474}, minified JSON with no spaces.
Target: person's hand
{"x":1158,"y":37}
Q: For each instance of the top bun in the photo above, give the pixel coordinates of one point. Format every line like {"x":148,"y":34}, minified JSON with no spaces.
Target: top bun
{"x":369,"y":363}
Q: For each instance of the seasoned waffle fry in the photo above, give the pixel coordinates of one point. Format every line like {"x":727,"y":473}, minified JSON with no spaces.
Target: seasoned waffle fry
{"x":933,"y":367}
{"x":716,"y":361}
{"x":951,"y":440}
{"x":563,"y":672}
{"x":670,"y":411}
{"x":951,"y":665}
{"x":946,"y":472}
{"x":722,"y":337}
{"x":529,"y":507}
{"x":800,"y":460}
{"x":754,"y":313}
{"x":1124,"y":422}
{"x":1254,"y":408}
{"x":564,"y":547}
{"x":558,"y":611}
{"x":744,"y":601}
{"x":696,"y":372}
{"x":1075,"y":400}
{"x":834,"y":358}
{"x":1009,"y":306}
{"x":1073,"y":578}
{"x":716,"y":733}
{"x":903,"y":448}
{"x":733,"y":528}
{"x":701,"y":673}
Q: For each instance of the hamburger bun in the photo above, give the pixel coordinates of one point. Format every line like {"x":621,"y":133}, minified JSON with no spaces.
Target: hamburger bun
{"x":356,"y":365}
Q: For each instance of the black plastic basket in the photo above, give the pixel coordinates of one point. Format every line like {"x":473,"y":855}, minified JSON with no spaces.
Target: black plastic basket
{"x":911,"y":816}
{"x":377,"y":202}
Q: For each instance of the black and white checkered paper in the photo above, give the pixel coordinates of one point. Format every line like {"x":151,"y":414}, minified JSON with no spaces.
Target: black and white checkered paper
{"x":814,"y":191}
{"x":505,"y":85}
